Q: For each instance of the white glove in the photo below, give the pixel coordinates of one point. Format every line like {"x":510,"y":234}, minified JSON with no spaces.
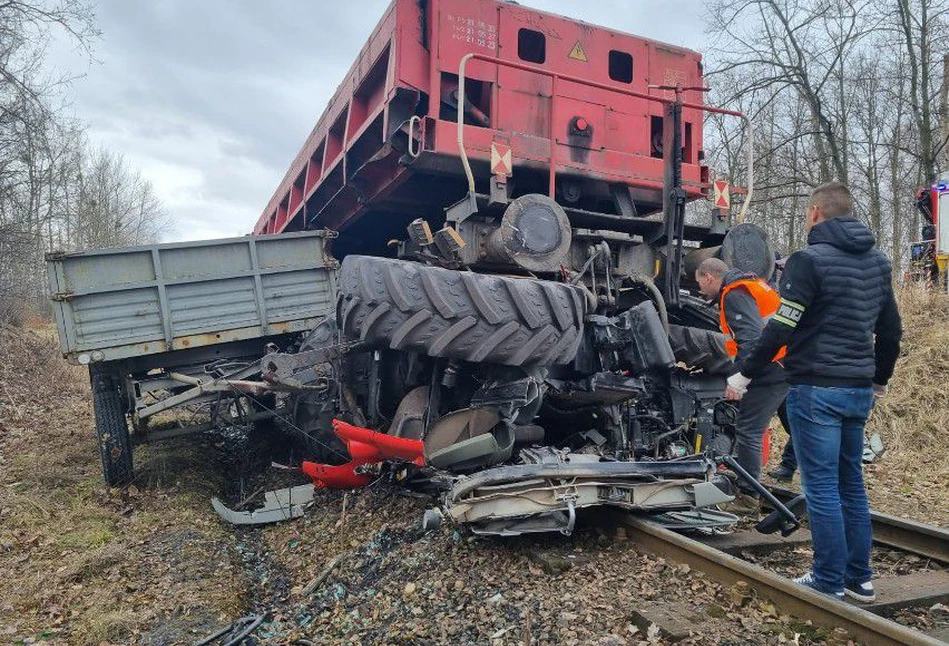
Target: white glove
{"x":880,"y":390}
{"x":739,"y":382}
{"x":737,"y":386}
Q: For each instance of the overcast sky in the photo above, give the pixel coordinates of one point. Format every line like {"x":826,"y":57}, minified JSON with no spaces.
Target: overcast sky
{"x":212,"y":99}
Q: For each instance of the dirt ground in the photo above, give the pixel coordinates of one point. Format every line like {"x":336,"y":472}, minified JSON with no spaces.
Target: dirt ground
{"x":81,"y":564}
{"x":154,"y":565}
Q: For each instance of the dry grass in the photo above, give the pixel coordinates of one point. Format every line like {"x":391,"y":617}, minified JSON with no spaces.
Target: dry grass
{"x":913,"y":419}
{"x":84,"y":565}
{"x":915,"y":414}
{"x":92,"y":562}
{"x":111,"y":626}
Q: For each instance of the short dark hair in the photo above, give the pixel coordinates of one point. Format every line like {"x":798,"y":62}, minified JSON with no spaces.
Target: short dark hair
{"x":713,"y":267}
{"x":833,"y":198}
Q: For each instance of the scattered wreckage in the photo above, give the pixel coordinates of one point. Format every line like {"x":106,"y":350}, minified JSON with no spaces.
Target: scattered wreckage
{"x":516,"y":400}
{"x":597,"y":413}
{"x":503,"y":320}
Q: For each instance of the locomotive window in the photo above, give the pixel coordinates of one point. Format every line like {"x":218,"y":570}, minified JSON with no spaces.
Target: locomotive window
{"x":621,"y":66}
{"x":531,"y":46}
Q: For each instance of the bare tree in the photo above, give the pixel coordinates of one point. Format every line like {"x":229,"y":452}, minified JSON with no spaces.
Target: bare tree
{"x":839,"y":89}
{"x":25,"y":30}
{"x":114,"y":205}
{"x":55,"y":192}
{"x":944,"y":113}
{"x":918,"y":20}
{"x":799,"y":46}
{"x":868,"y":150}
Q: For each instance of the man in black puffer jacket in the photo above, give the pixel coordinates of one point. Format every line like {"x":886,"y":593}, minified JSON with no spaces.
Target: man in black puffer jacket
{"x":836,"y":296}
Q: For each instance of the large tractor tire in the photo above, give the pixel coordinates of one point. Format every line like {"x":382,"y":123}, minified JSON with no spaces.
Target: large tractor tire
{"x":459,"y":314}
{"x":112,"y":431}
{"x":700,"y":349}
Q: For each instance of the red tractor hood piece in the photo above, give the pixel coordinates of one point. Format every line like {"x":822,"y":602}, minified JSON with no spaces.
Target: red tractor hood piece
{"x":365,"y":447}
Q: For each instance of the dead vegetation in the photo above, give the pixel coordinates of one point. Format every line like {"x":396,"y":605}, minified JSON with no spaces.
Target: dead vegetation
{"x":152,"y":566}
{"x":913,"y":418}
{"x":83,"y":565}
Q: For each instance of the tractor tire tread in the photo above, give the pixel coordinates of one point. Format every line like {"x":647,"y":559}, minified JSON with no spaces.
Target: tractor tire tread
{"x":459,"y":315}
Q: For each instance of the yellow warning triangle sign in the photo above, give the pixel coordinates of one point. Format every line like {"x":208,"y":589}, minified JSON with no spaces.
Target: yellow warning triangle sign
{"x":577,"y":53}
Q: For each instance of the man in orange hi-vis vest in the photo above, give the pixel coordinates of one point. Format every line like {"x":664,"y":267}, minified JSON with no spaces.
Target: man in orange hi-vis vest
{"x":746,"y":302}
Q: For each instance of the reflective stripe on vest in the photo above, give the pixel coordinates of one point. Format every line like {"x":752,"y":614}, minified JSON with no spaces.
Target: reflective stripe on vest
{"x":767,"y":301}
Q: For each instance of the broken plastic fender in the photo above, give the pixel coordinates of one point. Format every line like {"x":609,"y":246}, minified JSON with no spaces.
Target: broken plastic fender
{"x":281,"y":504}
{"x":343,"y":476}
{"x":365,"y":446}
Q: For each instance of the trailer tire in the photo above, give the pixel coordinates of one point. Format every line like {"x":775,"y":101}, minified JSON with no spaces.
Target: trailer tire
{"x":460,"y":315}
{"x":112,"y":431}
{"x":700,"y":349}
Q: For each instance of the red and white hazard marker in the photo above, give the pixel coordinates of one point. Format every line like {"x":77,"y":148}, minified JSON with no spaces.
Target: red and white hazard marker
{"x":723,"y":198}
{"x":501,"y":163}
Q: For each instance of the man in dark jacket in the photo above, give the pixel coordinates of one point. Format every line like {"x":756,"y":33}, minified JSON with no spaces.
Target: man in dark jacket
{"x":836,"y":294}
{"x":745,"y":303}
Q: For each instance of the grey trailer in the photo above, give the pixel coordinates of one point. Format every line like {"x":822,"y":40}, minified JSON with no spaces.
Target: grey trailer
{"x":177,"y":325}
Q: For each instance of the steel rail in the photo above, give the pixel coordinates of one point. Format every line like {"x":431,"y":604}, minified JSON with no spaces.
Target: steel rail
{"x":903,"y":534}
{"x":792,"y":598}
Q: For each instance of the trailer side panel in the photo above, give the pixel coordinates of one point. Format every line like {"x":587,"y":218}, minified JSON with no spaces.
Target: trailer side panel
{"x":119,"y":303}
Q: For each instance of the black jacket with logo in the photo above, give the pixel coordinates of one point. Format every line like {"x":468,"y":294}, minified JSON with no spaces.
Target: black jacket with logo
{"x":836,"y":296}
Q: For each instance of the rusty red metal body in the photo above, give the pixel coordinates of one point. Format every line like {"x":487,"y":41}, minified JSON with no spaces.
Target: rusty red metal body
{"x":559,"y":93}
{"x":365,"y":447}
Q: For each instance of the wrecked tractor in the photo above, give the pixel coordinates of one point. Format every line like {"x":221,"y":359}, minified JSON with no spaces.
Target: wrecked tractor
{"x":504,"y":318}
{"x":517,"y":399}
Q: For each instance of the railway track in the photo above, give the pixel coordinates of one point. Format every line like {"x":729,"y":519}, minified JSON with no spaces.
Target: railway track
{"x":900,"y":533}
{"x":719,"y":557}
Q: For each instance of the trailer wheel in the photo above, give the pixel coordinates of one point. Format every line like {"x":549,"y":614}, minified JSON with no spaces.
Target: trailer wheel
{"x":461,"y":315}
{"x":112,"y":432}
{"x":700,"y":349}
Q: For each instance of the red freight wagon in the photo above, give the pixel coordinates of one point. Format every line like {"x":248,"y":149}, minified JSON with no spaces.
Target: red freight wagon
{"x":553,"y":92}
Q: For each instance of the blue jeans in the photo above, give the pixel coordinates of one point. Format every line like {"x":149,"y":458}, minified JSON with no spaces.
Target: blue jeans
{"x":827,"y":428}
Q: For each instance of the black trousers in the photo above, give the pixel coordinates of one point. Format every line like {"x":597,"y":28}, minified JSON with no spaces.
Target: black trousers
{"x":757,"y":407}
{"x":788,"y":459}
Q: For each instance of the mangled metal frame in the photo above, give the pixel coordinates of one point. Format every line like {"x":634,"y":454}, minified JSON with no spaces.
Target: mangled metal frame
{"x":541,"y":494}
{"x":544,"y":497}
{"x":207,"y":388}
